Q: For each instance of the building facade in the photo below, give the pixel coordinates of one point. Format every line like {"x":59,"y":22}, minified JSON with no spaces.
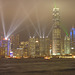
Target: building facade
{"x":18,"y":53}
{"x":5,"y":43}
{"x":67,"y":45}
{"x":42,"y":47}
{"x":32,"y":47}
{"x":72,"y":37}
{"x":2,"y":52}
{"x":25,"y":45}
{"x":56,"y":33}
{"x":37,"y":47}
{"x":14,"y":41}
{"x":47,"y":46}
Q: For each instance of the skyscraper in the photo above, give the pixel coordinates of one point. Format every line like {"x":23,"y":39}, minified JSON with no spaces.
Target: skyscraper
{"x":6,"y":44}
{"x":24,"y":45}
{"x":42,"y":47}
{"x":56,"y":33}
{"x":37,"y":47}
{"x":62,"y":46}
{"x":14,"y":41}
{"x":72,"y":37}
{"x":67,"y":45}
{"x":2,"y":52}
{"x":32,"y":47}
{"x":47,"y":46}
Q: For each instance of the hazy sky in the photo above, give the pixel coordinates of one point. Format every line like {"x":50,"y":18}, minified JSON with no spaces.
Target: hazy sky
{"x":31,"y":16}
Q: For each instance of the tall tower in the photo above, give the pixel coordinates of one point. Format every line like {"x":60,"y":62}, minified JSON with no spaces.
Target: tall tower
{"x":47,"y":46}
{"x":72,"y":37}
{"x":32,"y":47}
{"x":7,"y":46}
{"x":56,"y":33}
{"x":37,"y":47}
{"x":42,"y":47}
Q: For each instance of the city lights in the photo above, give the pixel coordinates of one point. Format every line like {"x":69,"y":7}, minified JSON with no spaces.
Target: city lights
{"x":6,"y":38}
{"x":72,"y":47}
{"x":42,"y":42}
{"x":37,"y":37}
{"x":37,"y":41}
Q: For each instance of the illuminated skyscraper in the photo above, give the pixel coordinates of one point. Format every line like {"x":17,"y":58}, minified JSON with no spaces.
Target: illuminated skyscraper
{"x":14,"y":41}
{"x":2,"y":52}
{"x":47,"y":46}
{"x":50,"y":47}
{"x":56,"y":33}
{"x":72,"y":37}
{"x":67,"y":45}
{"x":24,"y":45}
{"x":18,"y":52}
{"x":37,"y":47}
{"x":32,"y":47}
{"x":62,"y":45}
{"x":1,"y":38}
{"x":6,"y":44}
{"x":42,"y":47}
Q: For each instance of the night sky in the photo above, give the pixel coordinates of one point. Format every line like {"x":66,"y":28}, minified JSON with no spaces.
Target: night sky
{"x":33,"y":16}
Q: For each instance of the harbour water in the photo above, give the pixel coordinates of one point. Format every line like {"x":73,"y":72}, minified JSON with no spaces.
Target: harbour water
{"x":37,"y":67}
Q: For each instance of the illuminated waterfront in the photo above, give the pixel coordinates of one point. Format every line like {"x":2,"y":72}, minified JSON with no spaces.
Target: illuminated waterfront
{"x":37,"y":37}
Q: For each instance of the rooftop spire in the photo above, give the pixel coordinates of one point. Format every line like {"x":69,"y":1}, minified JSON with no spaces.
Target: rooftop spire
{"x":55,"y":5}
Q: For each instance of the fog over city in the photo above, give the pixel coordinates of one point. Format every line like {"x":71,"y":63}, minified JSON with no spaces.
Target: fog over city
{"x":37,"y":37}
{"x":34,"y":17}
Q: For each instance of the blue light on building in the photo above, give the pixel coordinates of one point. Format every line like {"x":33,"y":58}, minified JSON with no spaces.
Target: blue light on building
{"x":11,"y":54}
{"x":6,"y":45}
{"x":72,"y":37}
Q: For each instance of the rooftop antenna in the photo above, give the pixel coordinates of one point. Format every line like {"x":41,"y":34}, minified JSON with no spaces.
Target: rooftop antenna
{"x":55,"y":4}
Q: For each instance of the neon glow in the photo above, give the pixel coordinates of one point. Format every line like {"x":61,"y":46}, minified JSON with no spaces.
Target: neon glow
{"x":11,"y":54}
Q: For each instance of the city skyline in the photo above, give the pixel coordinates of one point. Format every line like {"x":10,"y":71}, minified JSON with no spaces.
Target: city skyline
{"x":41,"y":45}
{"x":39,"y":21}
{"x":37,"y":37}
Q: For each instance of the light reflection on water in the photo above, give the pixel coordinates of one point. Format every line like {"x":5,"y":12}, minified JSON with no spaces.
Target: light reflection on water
{"x":39,"y":73}
{"x":37,"y":67}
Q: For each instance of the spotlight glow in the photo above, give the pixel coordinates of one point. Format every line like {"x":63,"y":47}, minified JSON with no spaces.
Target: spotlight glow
{"x":27,"y":14}
{"x":19,"y":22}
{"x":32,"y":23}
{"x":6,"y":38}
{"x":38,"y":22}
{"x":14,"y":19}
{"x":40,"y":36}
{"x":3,"y":24}
{"x":50,"y":30}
